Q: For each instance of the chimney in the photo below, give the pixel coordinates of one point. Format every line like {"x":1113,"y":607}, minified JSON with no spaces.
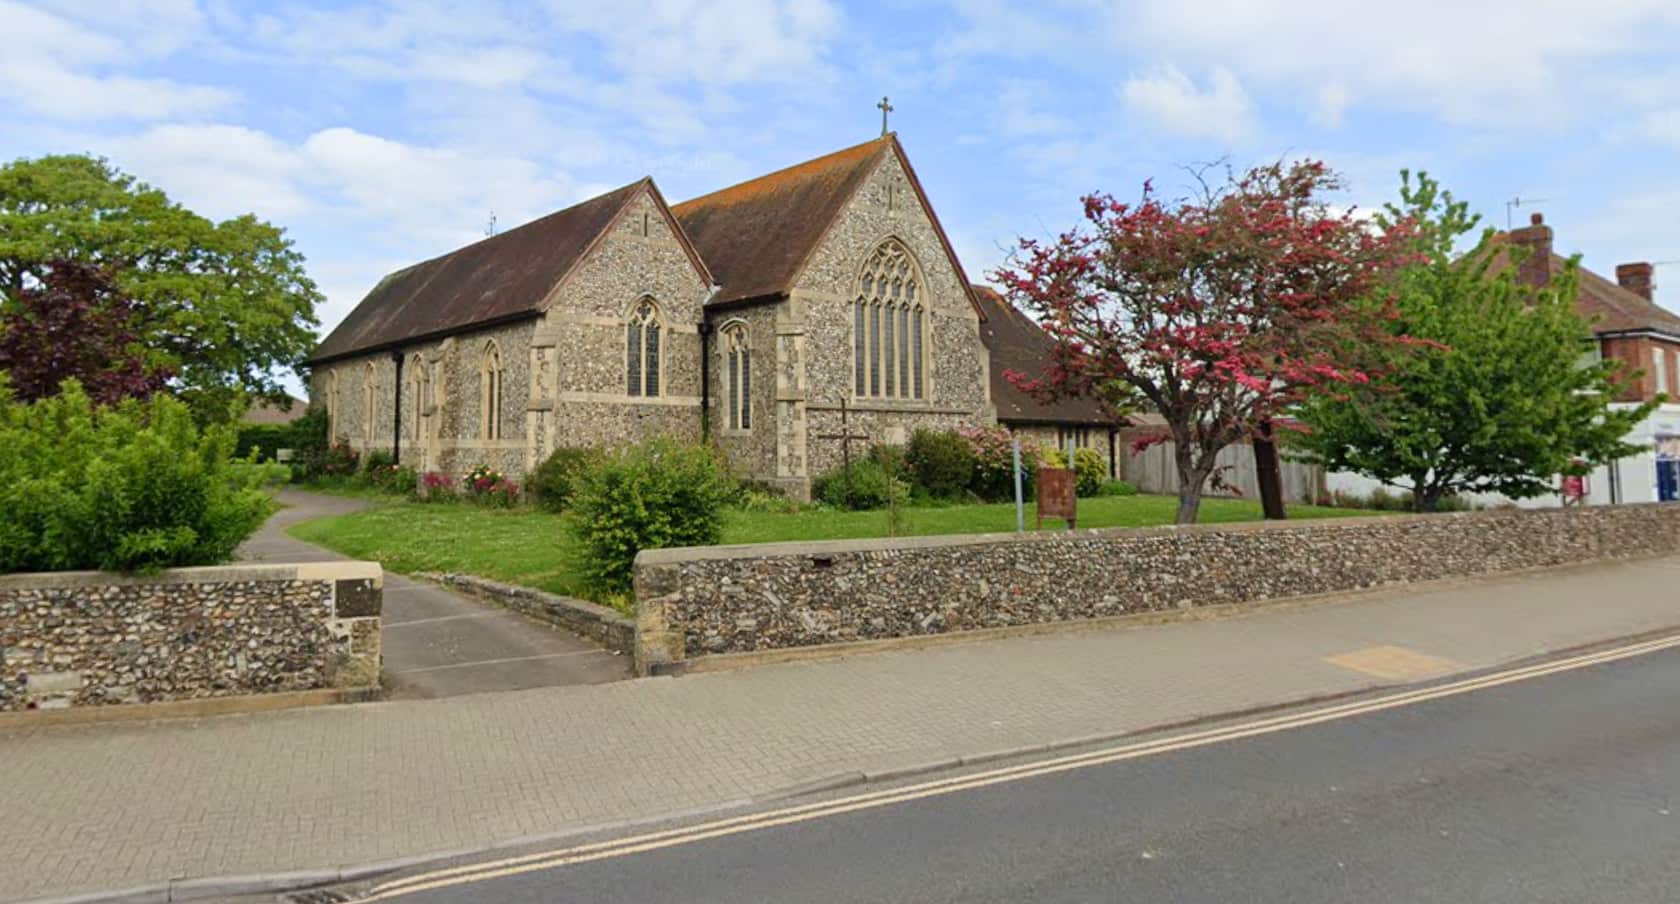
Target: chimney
{"x":1635,"y":278}
{"x":1536,"y":268}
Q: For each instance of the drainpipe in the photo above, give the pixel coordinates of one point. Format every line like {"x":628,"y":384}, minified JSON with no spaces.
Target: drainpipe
{"x":706,"y":366}
{"x":396,"y":418}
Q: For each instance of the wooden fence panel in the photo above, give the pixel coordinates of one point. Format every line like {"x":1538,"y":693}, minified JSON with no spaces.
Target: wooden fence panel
{"x":1153,"y":471}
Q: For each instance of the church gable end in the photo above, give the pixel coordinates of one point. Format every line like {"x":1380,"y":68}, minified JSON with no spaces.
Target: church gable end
{"x":616,"y":355}
{"x":923,"y":364}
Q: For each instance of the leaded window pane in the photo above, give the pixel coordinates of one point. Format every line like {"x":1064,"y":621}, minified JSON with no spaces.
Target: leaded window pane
{"x":916,"y":349}
{"x":634,"y":357}
{"x":734,"y":389}
{"x":874,"y":349}
{"x":746,"y":390}
{"x":652,"y":381}
{"x":887,"y":352}
{"x":903,"y":350}
{"x":858,"y":348}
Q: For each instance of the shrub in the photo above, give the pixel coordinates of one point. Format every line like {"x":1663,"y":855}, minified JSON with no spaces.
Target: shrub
{"x":135,"y":487}
{"x":1116,"y":488}
{"x":1089,"y":472}
{"x":657,"y":494}
{"x":400,"y":479}
{"x":869,"y":486}
{"x":994,"y":463}
{"x":339,"y":460}
{"x":486,"y":485}
{"x":374,"y":462}
{"x":555,"y":480}
{"x":940,"y":462}
{"x":435,"y":486}
{"x":262,"y":439}
{"x":762,"y":496}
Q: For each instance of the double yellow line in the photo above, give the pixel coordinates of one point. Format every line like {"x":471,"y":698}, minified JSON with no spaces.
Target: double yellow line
{"x":653,"y":841}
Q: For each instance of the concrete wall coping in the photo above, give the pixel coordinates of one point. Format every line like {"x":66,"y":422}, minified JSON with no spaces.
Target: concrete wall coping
{"x":681,"y":554}
{"x":206,"y":574}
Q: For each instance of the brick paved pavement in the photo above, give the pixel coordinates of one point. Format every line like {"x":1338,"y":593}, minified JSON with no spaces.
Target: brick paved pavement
{"x":100,"y":807}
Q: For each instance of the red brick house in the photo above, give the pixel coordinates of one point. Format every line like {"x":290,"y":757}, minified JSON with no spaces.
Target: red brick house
{"x":1630,"y":327}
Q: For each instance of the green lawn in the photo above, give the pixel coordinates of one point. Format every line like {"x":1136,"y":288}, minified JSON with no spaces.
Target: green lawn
{"x":528,"y":547}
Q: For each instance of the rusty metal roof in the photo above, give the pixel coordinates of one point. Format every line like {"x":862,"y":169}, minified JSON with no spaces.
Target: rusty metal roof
{"x":757,"y":236}
{"x":501,"y":278}
{"x":1014,"y":342}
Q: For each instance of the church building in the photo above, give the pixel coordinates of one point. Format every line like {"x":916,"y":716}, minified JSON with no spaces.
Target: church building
{"x":749,"y":317}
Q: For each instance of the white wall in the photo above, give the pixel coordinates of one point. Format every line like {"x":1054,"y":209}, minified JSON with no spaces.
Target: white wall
{"x":1638,"y":473}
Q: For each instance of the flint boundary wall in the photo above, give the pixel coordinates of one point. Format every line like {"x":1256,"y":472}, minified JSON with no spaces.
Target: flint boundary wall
{"x":88,"y":638}
{"x":699,"y":602}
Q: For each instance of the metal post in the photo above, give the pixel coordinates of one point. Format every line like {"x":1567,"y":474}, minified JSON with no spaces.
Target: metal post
{"x":1020,"y":512}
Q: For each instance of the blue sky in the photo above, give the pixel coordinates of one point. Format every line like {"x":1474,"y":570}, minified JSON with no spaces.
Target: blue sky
{"x":382,"y":132}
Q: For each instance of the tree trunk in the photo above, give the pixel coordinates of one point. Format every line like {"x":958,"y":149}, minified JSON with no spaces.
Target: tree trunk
{"x":1191,"y":479}
{"x":1425,"y":498}
{"x":1267,"y":472}
{"x":1189,"y":503}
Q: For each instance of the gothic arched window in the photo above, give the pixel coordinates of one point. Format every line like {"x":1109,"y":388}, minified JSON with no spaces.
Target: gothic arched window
{"x":642,"y":338}
{"x":887,"y":326}
{"x":419,"y":382}
{"x":368,"y":381}
{"x":490,"y":393}
{"x":738,"y":374}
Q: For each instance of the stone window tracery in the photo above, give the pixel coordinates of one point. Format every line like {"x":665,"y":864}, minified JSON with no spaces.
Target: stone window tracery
{"x":888,"y":345}
{"x":738,"y":374}
{"x":642,"y":336}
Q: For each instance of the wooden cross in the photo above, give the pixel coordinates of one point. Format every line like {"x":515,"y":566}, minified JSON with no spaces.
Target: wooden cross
{"x":846,"y":438}
{"x":885,"y":108}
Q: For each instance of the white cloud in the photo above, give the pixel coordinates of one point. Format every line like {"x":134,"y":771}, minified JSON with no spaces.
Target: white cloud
{"x":1504,"y":60}
{"x":706,"y":42}
{"x":219,"y":171}
{"x":46,"y":67}
{"x":47,"y":89}
{"x":1178,"y":105}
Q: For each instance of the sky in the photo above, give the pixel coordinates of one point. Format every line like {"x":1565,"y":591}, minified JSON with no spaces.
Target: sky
{"x":379,"y":133}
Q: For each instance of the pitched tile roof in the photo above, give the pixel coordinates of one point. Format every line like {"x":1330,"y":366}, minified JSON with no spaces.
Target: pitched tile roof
{"x":1014,"y":342}
{"x":501,"y":278}
{"x":1611,"y":308}
{"x":757,"y":236}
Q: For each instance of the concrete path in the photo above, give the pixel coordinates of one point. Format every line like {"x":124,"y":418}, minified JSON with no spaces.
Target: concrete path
{"x":439,"y":643}
{"x":124,"y":805}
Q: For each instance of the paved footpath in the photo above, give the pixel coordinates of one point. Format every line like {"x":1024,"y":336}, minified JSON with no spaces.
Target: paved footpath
{"x":438,"y":643}
{"x":122,"y":805}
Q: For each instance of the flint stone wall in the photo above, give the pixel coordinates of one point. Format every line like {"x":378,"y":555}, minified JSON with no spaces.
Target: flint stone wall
{"x":87,"y":638}
{"x":699,"y":602}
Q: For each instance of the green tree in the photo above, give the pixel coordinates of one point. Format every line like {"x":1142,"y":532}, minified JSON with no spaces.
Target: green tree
{"x":224,"y":306}
{"x":1493,"y":392}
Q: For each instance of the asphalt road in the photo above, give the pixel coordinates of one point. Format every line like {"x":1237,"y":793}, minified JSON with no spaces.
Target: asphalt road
{"x":1563,"y":788}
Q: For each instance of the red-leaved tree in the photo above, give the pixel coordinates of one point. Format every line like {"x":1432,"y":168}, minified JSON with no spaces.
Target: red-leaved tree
{"x":1219,"y":312}
{"x":74,"y":323}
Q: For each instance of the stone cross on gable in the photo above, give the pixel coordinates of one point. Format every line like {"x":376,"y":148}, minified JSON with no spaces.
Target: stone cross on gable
{"x":885,"y":108}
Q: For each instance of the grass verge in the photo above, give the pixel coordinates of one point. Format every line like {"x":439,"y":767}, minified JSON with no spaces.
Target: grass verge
{"x":531,"y":548}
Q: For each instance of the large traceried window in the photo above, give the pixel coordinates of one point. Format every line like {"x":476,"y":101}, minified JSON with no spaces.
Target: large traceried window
{"x":888,"y":327}
{"x":738,"y":369}
{"x":642,"y":346}
{"x":490,"y":393}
